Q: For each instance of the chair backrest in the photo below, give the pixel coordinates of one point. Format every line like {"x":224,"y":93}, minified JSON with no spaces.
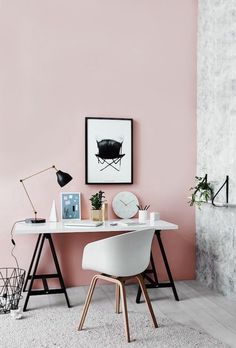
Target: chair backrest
{"x":108,"y":148}
{"x":123,"y":255}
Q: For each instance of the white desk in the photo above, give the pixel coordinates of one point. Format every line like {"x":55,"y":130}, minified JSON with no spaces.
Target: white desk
{"x":45,"y":231}
{"x":59,"y":227}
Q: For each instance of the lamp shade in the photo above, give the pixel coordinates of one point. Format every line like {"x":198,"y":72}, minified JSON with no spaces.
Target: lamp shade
{"x":63,"y":178}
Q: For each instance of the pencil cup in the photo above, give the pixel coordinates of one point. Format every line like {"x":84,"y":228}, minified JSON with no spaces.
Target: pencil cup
{"x":142,"y":215}
{"x":154,"y":216}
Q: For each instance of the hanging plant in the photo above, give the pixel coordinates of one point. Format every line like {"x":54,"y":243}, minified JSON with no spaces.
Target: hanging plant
{"x":202,"y":192}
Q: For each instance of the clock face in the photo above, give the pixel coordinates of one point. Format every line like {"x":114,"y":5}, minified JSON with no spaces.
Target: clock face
{"x":125,"y":204}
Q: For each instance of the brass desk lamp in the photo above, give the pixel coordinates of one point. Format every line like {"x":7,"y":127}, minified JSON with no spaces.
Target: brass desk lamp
{"x":62,"y":179}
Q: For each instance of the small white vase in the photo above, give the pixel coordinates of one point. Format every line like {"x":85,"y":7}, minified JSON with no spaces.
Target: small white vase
{"x":53,"y":213}
{"x":154,"y":217}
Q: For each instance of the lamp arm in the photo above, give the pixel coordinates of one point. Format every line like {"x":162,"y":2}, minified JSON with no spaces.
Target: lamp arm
{"x":62,"y":179}
{"x":35,"y":212}
{"x":41,"y":171}
{"x":27,"y":194}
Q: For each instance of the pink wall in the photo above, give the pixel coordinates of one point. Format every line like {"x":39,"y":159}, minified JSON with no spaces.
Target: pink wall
{"x":63,"y":60}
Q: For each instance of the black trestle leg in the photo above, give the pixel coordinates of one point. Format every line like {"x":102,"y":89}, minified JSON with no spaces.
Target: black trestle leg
{"x":146,"y":276}
{"x":32,"y":277}
{"x":49,"y":237}
{"x":155,"y":283}
{"x":43,"y":277}
{"x":172,"y":284}
{"x":32,"y":262}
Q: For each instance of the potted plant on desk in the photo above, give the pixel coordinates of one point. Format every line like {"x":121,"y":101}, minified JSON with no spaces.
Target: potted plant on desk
{"x":96,"y":202}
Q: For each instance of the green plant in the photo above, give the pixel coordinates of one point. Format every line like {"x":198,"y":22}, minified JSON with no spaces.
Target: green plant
{"x":97,"y":200}
{"x":203,"y":192}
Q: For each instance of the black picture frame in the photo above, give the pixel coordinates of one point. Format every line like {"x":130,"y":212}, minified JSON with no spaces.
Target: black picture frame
{"x":108,"y":150}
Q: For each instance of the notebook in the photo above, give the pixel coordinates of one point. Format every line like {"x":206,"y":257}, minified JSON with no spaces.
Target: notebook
{"x":83,"y":224}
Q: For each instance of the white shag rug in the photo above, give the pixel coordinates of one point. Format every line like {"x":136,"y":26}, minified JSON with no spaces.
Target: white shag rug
{"x":56,"y":327}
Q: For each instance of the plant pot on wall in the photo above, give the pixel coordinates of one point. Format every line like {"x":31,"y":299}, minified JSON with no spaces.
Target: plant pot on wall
{"x":96,"y":214}
{"x":203,"y":192}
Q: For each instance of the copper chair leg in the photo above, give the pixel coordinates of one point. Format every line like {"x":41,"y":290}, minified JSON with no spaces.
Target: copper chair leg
{"x":117,"y":295}
{"x":146,"y":297}
{"x":120,"y":294}
{"x":125,"y":312}
{"x":87,"y":301}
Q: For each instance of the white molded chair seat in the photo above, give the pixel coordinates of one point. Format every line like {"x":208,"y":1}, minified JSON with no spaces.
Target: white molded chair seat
{"x":124,"y":255}
{"x":119,"y":258}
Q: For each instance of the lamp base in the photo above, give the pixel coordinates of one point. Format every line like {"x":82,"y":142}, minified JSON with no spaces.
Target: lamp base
{"x":35,"y":221}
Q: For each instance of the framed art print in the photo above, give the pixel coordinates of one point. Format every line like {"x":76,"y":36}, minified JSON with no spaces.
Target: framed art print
{"x":108,"y":150}
{"x":70,"y":205}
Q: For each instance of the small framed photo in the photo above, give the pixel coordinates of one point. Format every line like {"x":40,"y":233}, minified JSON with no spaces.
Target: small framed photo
{"x":108,"y":150}
{"x":70,"y":205}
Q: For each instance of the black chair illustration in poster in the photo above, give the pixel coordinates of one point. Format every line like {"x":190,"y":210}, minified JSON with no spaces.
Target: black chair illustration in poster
{"x":109,"y":154}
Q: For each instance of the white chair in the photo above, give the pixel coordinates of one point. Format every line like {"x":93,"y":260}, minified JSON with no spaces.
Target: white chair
{"x":117,"y":259}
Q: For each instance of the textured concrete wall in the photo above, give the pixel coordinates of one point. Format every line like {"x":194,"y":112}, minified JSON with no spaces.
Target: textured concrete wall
{"x":216,"y":231}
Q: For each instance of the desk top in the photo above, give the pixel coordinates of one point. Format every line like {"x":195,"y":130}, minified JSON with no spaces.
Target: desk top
{"x":59,"y":227}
